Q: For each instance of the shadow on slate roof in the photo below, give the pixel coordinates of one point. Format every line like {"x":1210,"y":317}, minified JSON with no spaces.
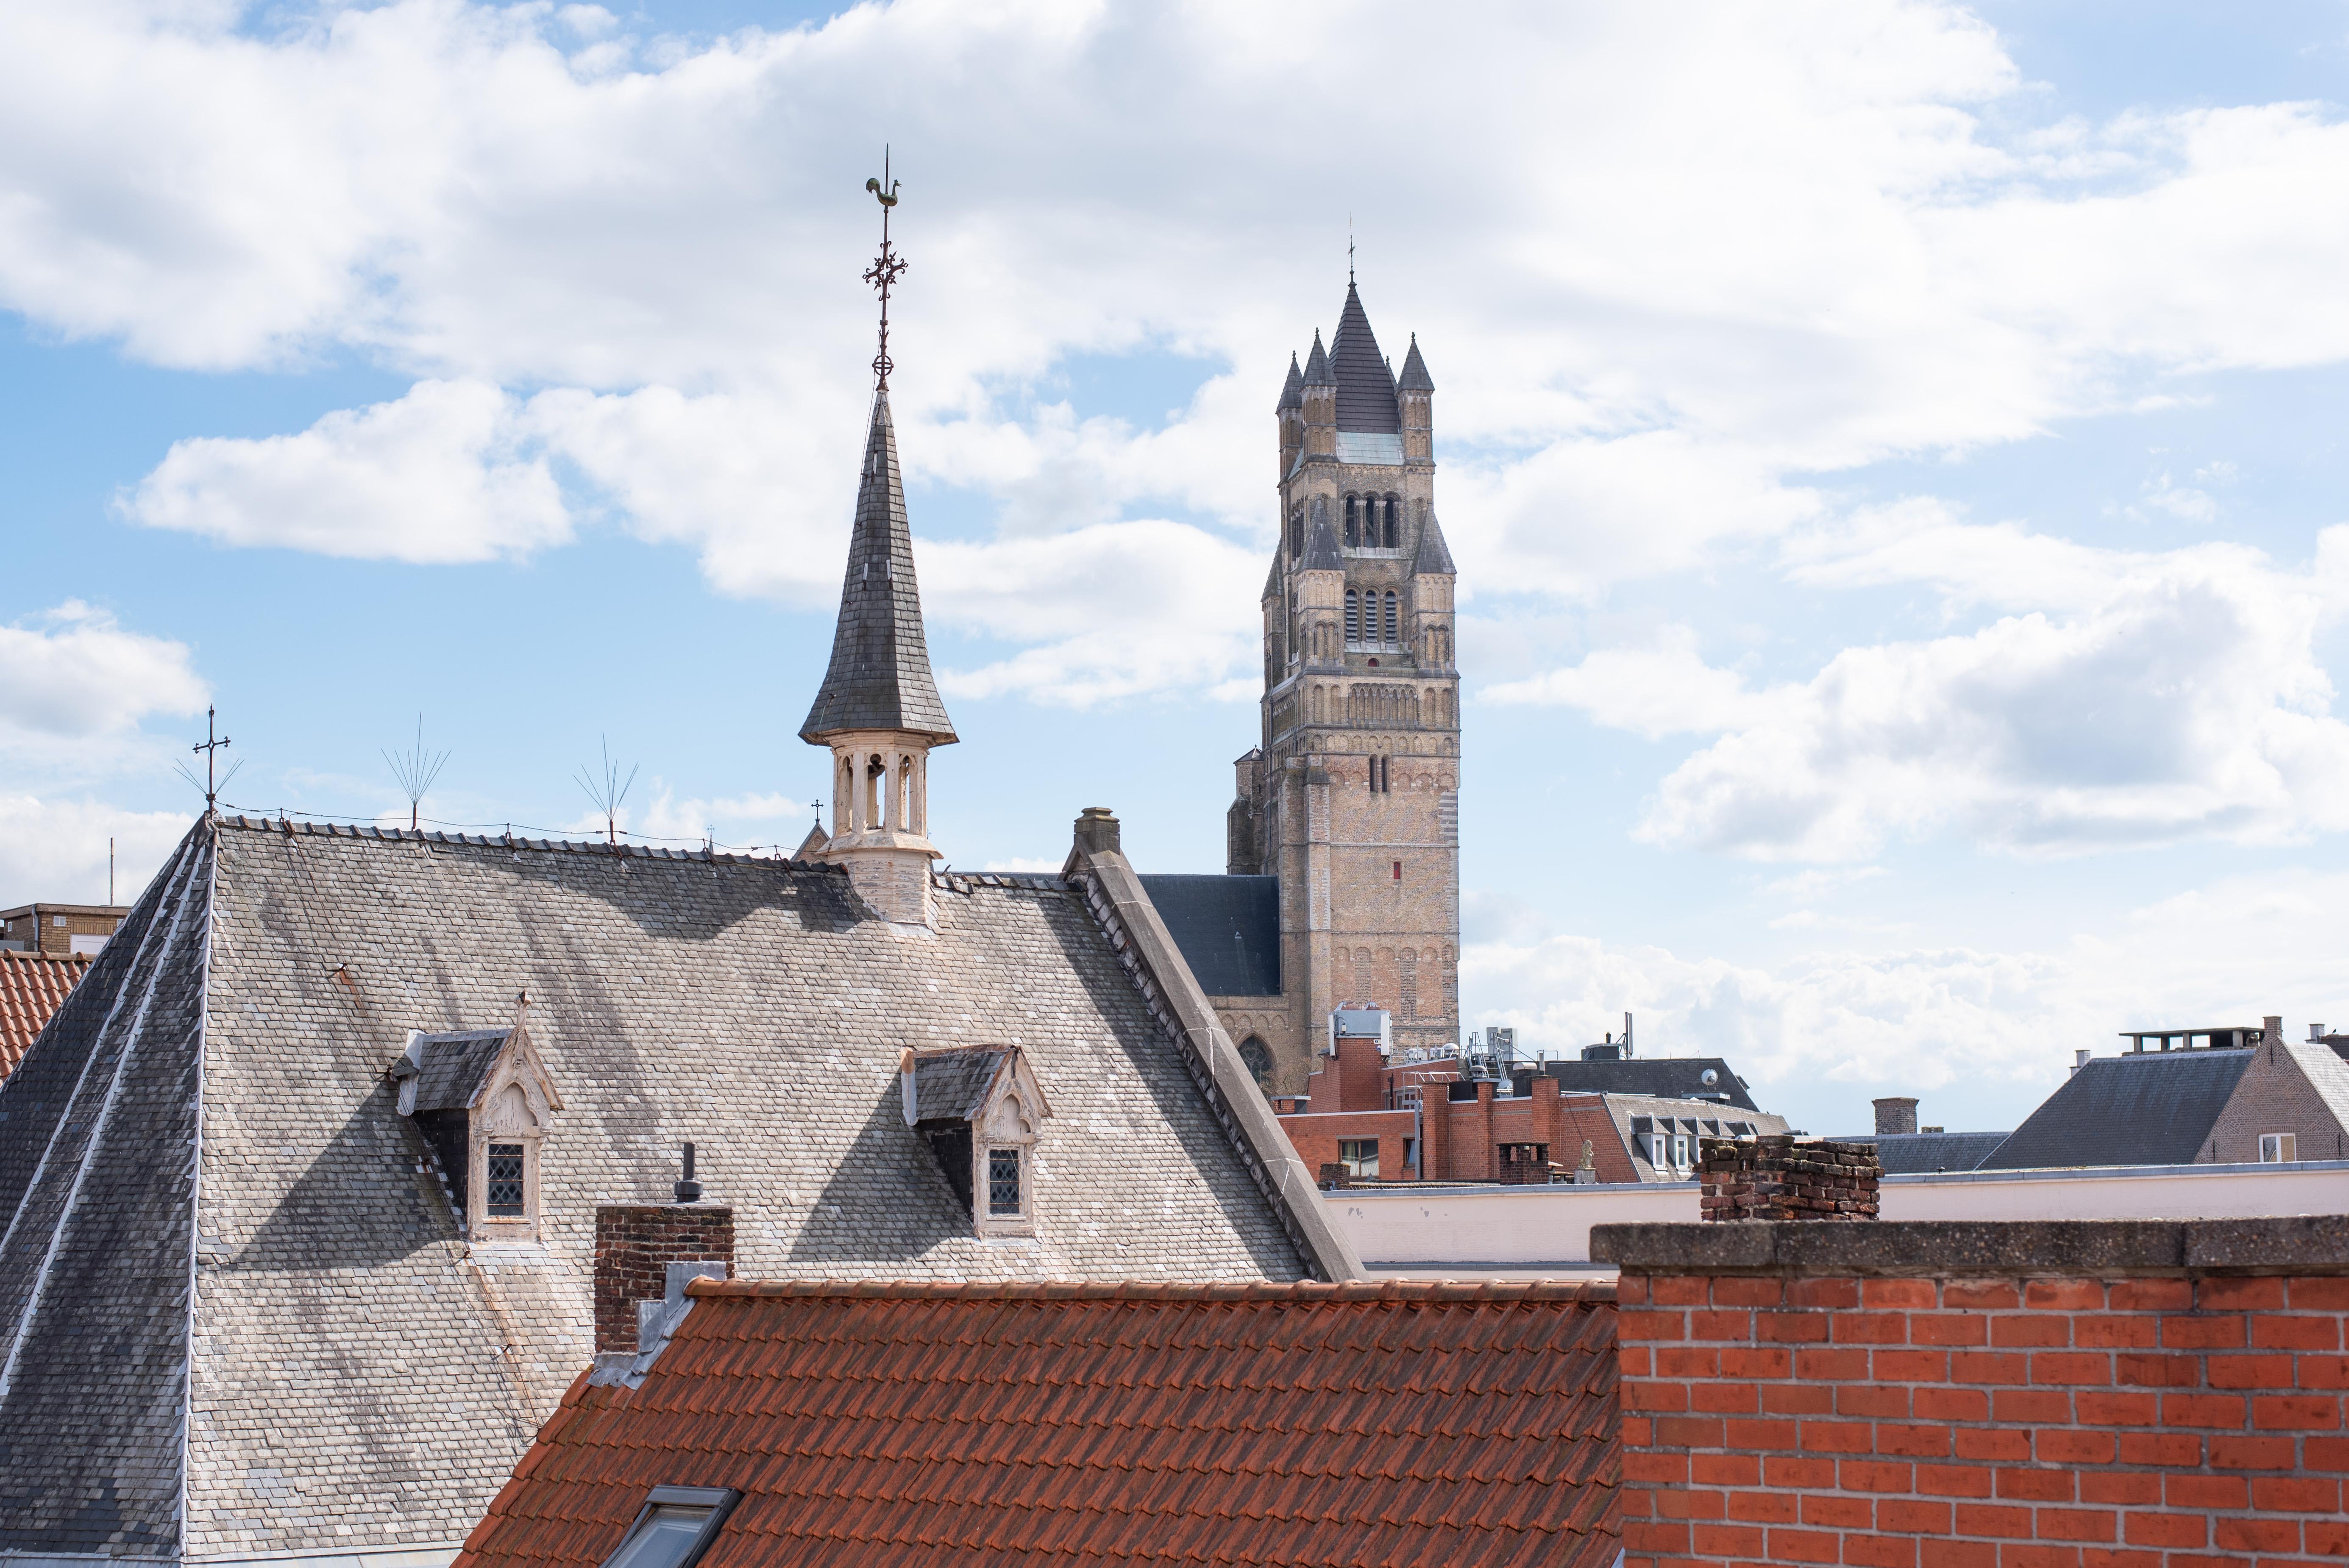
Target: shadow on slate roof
{"x":356,"y":1374}
{"x":2151,"y":1108}
{"x":1228,"y":928}
{"x":888,"y":1425}
{"x":1923,"y":1153}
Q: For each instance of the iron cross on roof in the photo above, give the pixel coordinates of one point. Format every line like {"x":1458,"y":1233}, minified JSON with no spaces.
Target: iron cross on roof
{"x":883,"y":272}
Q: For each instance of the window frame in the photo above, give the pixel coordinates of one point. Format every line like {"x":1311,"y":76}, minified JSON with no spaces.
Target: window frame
{"x":995,"y":1152}
{"x":1354,"y":1161}
{"x":719,"y":1499}
{"x":2286,"y":1145}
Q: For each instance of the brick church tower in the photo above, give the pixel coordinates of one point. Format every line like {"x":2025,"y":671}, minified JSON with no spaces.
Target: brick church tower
{"x":1351,"y":803}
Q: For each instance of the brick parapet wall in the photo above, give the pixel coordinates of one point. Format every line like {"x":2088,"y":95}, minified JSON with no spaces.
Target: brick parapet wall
{"x":1777,"y":1178}
{"x":635,"y":1244}
{"x":1874,"y":1409}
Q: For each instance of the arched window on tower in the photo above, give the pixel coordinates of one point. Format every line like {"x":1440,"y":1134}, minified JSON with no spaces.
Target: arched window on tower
{"x":1394,"y":536}
{"x":1297,"y":533}
{"x":1259,"y":1058}
{"x":1353,"y":521}
{"x":1392,"y":631}
{"x":1354,"y":616}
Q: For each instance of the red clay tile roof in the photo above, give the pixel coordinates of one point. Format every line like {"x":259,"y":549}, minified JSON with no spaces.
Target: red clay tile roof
{"x":32,"y":987}
{"x":886,"y":1424}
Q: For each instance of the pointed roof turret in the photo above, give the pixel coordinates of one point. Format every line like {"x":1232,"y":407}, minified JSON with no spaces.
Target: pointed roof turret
{"x":1366,"y":388}
{"x":1321,"y":543}
{"x":1316,"y":365}
{"x":879,"y":677}
{"x":1434,"y":557}
{"x":1292,"y":391}
{"x":1415,"y":377}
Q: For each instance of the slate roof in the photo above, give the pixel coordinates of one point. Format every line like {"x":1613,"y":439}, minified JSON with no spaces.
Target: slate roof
{"x":32,"y":987}
{"x":1228,"y":928}
{"x":1317,"y":364}
{"x":1320,"y":542}
{"x":1366,"y":388}
{"x":950,"y":1084}
{"x":1922,"y":1153}
{"x":1433,"y":557}
{"x":900,"y":1425}
{"x":348,"y":1371}
{"x":879,"y":677}
{"x":1414,"y":377}
{"x":1662,"y":1077}
{"x":1292,"y":390}
{"x":452,"y":1065}
{"x":2154,"y":1108}
{"x":1694,"y":1118}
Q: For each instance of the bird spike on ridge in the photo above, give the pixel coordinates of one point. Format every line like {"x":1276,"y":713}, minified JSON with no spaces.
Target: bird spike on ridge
{"x":882,"y":274}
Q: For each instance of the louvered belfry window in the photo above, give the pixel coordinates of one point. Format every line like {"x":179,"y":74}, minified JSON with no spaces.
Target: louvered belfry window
{"x":505,"y":1185}
{"x":1353,"y":615}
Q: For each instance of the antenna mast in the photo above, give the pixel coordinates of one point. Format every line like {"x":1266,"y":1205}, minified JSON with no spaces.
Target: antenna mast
{"x":882,"y":274}
{"x":214,"y":740}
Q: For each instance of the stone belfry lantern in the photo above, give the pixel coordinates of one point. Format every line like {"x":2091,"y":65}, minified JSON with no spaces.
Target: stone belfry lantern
{"x":879,"y":710}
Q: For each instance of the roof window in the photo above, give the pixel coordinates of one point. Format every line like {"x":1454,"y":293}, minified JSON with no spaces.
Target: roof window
{"x":483,"y":1102}
{"x":979,"y":1109}
{"x":675,"y":1527}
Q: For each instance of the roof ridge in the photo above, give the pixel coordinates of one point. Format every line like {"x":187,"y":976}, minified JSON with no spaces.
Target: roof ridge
{"x":334,"y":829}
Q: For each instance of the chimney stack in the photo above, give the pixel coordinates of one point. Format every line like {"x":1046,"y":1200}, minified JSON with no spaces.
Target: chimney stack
{"x":644,"y":1252}
{"x":1097,"y":830}
{"x":2315,"y":1034}
{"x":688,"y":1190}
{"x":1896,"y":1114}
{"x":2079,"y":1059}
{"x":2272,"y":1030}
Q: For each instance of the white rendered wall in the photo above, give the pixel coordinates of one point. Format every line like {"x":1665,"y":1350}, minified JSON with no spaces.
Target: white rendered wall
{"x":1523,"y":1230}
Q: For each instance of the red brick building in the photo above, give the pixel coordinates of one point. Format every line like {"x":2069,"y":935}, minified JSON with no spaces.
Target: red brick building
{"x":1368,"y":1116}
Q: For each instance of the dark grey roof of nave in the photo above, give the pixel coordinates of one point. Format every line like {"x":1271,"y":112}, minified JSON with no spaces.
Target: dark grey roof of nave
{"x":1660,"y":1078}
{"x":879,"y":676}
{"x":2153,"y":1109}
{"x":356,"y":1374}
{"x":1228,"y":928}
{"x":1366,"y":388}
{"x":1923,"y":1153}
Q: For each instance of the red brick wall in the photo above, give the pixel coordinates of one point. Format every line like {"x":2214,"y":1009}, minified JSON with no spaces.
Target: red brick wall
{"x":2176,"y":1422}
{"x":1317,"y":1136}
{"x":635,"y":1244}
{"x":1777,"y":1178}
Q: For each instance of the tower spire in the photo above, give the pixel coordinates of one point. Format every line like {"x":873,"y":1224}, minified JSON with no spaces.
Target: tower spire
{"x":878,"y":710}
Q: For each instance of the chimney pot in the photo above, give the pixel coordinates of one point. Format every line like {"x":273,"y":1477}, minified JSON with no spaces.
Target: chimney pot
{"x":688,"y":1190}
{"x":2079,"y":1059}
{"x":1896,"y":1114}
{"x":2315,"y":1034}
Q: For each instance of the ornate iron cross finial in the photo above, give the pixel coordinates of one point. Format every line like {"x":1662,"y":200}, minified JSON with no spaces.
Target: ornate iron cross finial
{"x":883,"y":272}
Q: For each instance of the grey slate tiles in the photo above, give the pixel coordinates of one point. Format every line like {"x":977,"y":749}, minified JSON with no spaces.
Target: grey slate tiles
{"x":879,"y":677}
{"x":1366,"y":390}
{"x":2154,"y":1109}
{"x":350,"y":1370}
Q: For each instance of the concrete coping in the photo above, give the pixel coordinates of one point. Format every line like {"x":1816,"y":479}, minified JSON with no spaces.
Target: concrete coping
{"x":2294,"y":1244}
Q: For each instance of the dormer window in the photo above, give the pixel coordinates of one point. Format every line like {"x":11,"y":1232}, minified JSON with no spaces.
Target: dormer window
{"x":978,"y":1108}
{"x":483,"y":1102}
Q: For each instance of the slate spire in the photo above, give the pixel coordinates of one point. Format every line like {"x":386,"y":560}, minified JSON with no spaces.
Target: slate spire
{"x":1433,"y":557}
{"x":1317,"y":364}
{"x":1292,"y":391}
{"x":879,"y":677}
{"x":1415,"y":377}
{"x":1366,"y":388}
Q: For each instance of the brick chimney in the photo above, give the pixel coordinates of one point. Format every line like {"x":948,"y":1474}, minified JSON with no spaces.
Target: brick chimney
{"x":636,"y":1243}
{"x":1776,"y":1178}
{"x":1896,"y":1114}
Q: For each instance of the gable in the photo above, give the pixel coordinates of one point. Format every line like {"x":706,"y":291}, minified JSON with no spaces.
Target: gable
{"x":2155,"y":1108}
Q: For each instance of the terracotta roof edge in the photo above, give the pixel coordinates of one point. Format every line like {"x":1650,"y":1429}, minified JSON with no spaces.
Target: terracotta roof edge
{"x":1355,"y":1290}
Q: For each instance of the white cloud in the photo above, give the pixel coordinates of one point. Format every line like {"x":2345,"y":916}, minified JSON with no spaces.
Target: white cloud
{"x":1994,"y":1029}
{"x":55,"y":849}
{"x":74,"y":675}
{"x":1667,"y":690}
{"x":439,"y":475}
{"x":2181,"y":699}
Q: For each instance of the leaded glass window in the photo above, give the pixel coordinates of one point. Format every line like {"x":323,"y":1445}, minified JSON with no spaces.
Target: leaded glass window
{"x":1003,"y":1181}
{"x":505,"y":1193}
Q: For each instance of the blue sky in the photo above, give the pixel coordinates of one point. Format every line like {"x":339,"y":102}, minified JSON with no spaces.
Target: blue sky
{"x":1889,"y":449}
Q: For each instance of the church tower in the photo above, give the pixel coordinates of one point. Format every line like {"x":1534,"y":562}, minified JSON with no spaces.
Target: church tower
{"x":1352,"y":801}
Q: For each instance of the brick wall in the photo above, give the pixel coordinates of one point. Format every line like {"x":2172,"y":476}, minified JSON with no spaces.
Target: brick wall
{"x":2274,"y":1095}
{"x":635,"y":1244}
{"x":1776,"y":1178}
{"x":2071,"y":1394}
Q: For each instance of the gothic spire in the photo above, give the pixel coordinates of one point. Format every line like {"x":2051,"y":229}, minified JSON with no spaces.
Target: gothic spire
{"x":1433,"y":557}
{"x":1415,"y":377}
{"x":1292,"y":391}
{"x":1366,"y":388}
{"x":880,"y":673}
{"x":1317,"y":364}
